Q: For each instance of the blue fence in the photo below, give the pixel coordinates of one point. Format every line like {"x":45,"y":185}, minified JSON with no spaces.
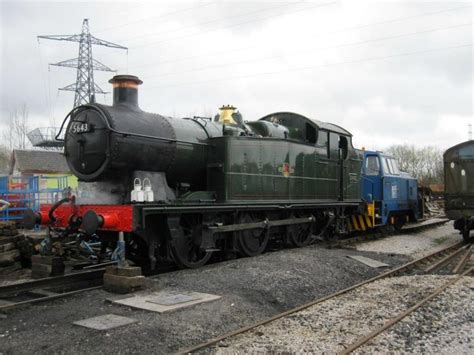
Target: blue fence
{"x":23,"y":192}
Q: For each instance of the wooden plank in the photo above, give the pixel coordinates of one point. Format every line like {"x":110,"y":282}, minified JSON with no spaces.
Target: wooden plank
{"x":9,"y":256}
{"x":7,"y":247}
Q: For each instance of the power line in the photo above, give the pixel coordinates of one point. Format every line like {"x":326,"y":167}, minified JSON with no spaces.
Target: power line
{"x":320,"y":35}
{"x":215,"y":20}
{"x":293,"y":53}
{"x":125,"y":24}
{"x":234,"y":25}
{"x":46,"y":89}
{"x":124,"y":10}
{"x":367,"y":59}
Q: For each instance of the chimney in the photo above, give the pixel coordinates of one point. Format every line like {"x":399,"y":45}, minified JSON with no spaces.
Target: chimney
{"x":126,"y":90}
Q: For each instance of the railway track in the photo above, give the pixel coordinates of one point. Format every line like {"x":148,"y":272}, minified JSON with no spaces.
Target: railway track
{"x":371,"y":235}
{"x":390,"y":323}
{"x":50,"y":288}
{"x":35,"y":291}
{"x":458,"y":254}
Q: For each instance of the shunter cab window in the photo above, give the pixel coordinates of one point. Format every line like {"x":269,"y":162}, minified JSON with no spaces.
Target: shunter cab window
{"x":372,"y":165}
{"x":390,"y":166}
{"x":394,"y":166}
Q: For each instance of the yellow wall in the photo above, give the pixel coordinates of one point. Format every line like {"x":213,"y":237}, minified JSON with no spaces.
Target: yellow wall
{"x":53,"y":183}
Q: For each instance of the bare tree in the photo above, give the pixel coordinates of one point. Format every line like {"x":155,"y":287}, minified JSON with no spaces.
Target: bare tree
{"x":15,"y":135}
{"x":4,"y":160}
{"x":426,"y":164}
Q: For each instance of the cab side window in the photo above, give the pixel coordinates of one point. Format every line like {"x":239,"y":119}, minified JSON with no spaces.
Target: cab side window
{"x":322,"y":142}
{"x":310,"y":134}
{"x":390,"y":166}
{"x":394,"y":167}
{"x":322,"y":139}
{"x":372,"y":165}
{"x":333,"y":146}
{"x":344,"y":147}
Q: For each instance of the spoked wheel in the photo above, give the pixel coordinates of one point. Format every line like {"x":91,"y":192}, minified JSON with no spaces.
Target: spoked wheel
{"x":251,"y":242}
{"x":186,"y":248}
{"x":299,"y":235}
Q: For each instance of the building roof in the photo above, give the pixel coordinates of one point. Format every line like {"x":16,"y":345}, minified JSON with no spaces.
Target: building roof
{"x":38,"y":162}
{"x":437,"y":188}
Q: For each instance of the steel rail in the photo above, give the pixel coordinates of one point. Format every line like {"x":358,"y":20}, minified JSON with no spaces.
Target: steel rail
{"x":47,"y":298}
{"x":446,"y":260}
{"x":361,"y":341}
{"x":320,"y":300}
{"x":374,"y":235}
{"x":86,"y":281}
{"x":50,"y":282}
{"x":463,"y":261}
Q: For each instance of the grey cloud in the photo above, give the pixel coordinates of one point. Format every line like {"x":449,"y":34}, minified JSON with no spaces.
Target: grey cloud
{"x":406,"y":98}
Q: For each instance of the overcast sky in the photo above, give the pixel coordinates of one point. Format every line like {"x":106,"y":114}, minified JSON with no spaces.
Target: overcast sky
{"x":388,"y":71}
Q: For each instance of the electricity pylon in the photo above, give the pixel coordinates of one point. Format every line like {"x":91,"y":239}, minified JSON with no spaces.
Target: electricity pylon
{"x":84,"y":87}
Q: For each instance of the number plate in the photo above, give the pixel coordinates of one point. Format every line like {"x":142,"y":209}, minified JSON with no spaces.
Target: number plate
{"x":79,"y":127}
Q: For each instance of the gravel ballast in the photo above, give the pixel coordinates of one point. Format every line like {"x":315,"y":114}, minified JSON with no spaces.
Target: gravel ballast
{"x":251,"y":288}
{"x":330,"y":326}
{"x":414,"y":244}
{"x":445,"y":325}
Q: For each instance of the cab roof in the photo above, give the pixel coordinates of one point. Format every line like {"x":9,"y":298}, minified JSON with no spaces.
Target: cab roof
{"x":378,"y":152}
{"x":290,"y":116}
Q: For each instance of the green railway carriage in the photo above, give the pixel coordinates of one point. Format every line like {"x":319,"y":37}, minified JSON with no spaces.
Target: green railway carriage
{"x":459,"y":186}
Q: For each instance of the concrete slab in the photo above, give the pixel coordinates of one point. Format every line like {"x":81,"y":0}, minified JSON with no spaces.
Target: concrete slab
{"x":166,"y":301}
{"x":105,"y":322}
{"x":368,"y":261}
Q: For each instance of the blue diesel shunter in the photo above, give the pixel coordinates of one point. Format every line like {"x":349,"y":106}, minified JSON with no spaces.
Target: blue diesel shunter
{"x":391,"y":195}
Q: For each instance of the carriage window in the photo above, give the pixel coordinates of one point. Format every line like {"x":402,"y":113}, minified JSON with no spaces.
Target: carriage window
{"x":372,"y":166}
